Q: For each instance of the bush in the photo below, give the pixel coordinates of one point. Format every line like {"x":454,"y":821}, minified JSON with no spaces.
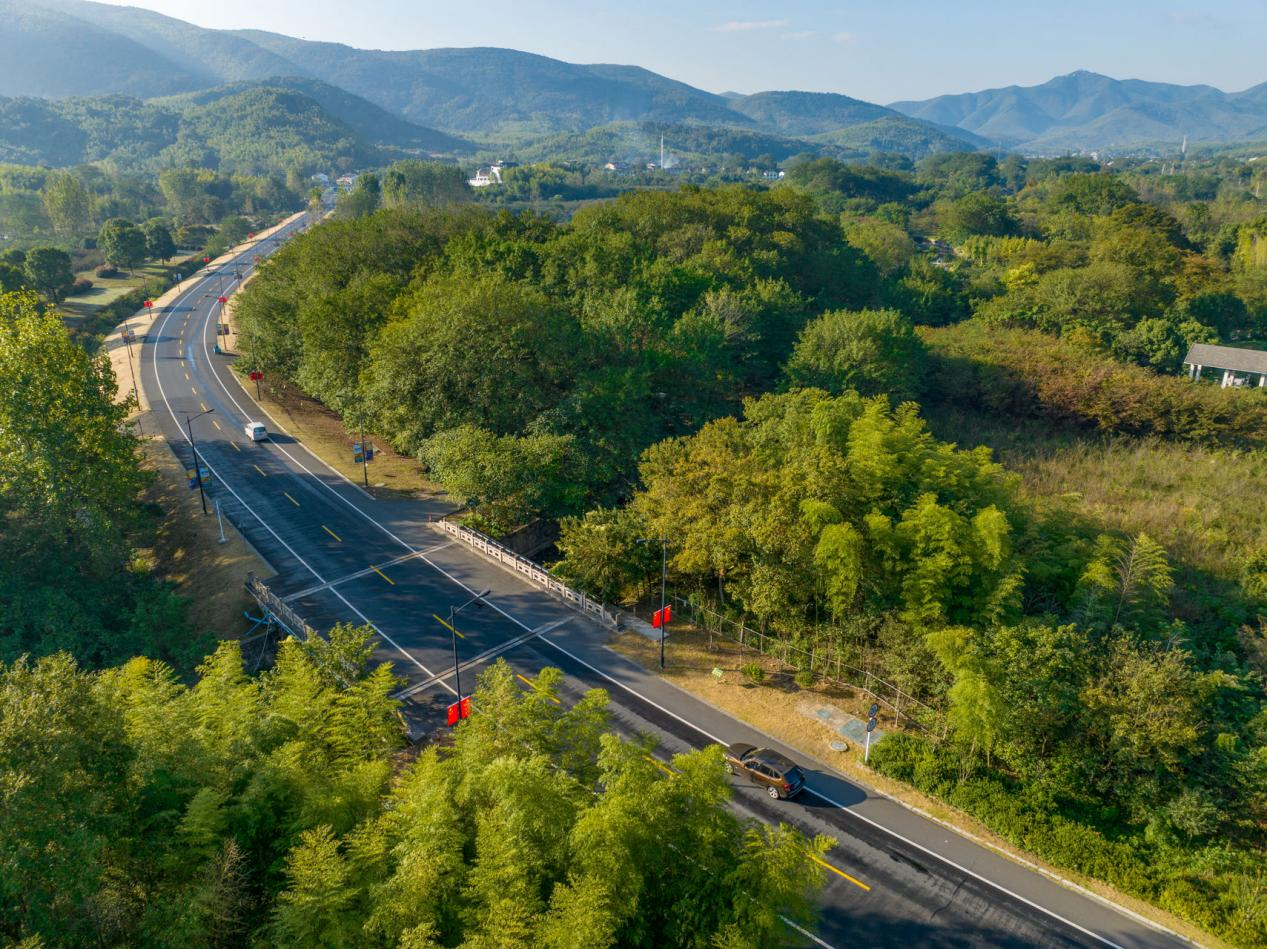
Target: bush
{"x":1027,"y":373}
{"x":107,"y":272}
{"x":805,"y":679}
{"x":81,"y":285}
{"x":752,"y":672}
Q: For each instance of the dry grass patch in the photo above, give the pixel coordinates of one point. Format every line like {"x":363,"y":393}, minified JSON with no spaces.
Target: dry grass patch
{"x":186,"y":550}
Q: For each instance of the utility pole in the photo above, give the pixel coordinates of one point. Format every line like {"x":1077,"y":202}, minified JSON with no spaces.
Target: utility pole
{"x":189,"y":419}
{"x":453,"y":634}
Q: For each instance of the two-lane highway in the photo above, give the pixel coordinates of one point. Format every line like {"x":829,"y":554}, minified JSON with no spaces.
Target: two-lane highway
{"x":340,"y":555}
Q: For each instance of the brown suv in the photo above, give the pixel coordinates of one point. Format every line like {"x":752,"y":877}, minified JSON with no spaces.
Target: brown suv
{"x":779,"y":776}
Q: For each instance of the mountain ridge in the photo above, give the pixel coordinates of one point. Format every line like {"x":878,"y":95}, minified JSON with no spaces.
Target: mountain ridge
{"x":494,"y":95}
{"x":1085,"y":110}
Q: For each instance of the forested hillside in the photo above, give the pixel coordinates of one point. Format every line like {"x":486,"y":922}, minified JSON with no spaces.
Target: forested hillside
{"x":253,"y":131}
{"x":741,"y":372}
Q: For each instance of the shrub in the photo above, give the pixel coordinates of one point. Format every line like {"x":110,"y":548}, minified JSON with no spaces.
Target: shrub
{"x":1026,"y":373}
{"x":805,"y":679}
{"x":80,"y":285}
{"x":107,"y":271}
{"x":752,"y":672}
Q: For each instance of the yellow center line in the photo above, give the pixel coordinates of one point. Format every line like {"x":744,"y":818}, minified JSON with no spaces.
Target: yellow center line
{"x":332,"y":533}
{"x":443,"y":623}
{"x":384,"y":576}
{"x":235,"y":446}
{"x":660,"y":764}
{"x":204,"y":406}
{"x":216,"y":424}
{"x":260,"y":470}
{"x":534,"y":685}
{"x":840,"y":873}
{"x":186,"y":377}
{"x":289,"y":498}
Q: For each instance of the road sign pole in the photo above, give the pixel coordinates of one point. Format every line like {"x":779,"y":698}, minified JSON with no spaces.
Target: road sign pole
{"x":219,"y":520}
{"x":664,"y":568}
{"x":866,"y":754}
{"x":457,"y":670}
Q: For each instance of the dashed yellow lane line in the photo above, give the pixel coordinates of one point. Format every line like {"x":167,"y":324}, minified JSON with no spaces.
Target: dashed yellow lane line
{"x":660,"y":764}
{"x":534,"y":685}
{"x":204,"y":406}
{"x":332,"y":533}
{"x":235,"y":446}
{"x":186,"y":377}
{"x":383,"y":575}
{"x":216,"y":424}
{"x":840,"y":873}
{"x":440,"y":621}
{"x":290,"y":499}
{"x":260,"y":470}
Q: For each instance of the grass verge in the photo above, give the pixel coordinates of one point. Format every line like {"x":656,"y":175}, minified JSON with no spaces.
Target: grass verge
{"x":187,"y":551}
{"x":771,"y":707}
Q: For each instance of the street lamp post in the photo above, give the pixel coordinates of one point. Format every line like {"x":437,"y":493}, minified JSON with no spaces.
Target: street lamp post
{"x":189,"y":426}
{"x":664,"y":573}
{"x":453,"y":634}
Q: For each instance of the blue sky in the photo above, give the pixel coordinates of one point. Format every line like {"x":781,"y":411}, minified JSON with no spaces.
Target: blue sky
{"x":879,"y":51}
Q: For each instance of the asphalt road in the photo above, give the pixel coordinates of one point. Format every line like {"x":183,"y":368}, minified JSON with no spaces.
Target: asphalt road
{"x":897,"y":879}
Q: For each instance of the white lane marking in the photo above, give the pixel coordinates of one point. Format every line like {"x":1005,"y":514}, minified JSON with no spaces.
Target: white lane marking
{"x":245,"y":414}
{"x":632,"y":691}
{"x":806,"y":933}
{"x":162,"y":393}
{"x":823,"y":797}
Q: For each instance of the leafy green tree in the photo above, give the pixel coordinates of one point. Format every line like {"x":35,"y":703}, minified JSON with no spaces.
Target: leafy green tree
{"x":158,"y":241}
{"x":506,"y":479}
{"x":872,"y":351}
{"x":68,"y":203}
{"x":11,"y":278}
{"x":365,"y":198}
{"x":602,"y":553}
{"x":122,"y":242}
{"x":497,"y":352}
{"x":888,"y":245}
{"x":976,"y":213}
{"x":47,"y":269}
{"x":424,"y":184}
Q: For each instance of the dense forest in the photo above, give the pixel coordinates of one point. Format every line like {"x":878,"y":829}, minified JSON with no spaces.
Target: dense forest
{"x":155,"y":797}
{"x":800,"y":386}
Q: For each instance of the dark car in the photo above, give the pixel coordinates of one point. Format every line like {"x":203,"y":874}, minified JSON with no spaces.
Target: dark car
{"x":775,"y":772}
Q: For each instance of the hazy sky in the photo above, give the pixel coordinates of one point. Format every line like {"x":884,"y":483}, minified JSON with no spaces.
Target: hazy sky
{"x":881,"y":51}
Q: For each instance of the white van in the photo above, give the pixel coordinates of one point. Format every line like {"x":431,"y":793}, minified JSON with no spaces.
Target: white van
{"x":256,"y":431}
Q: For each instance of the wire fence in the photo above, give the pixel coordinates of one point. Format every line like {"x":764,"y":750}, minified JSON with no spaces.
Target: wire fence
{"x":828,"y":659}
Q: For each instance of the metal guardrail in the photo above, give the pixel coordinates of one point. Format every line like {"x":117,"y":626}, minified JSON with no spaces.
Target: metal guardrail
{"x":533,"y":572}
{"x":276,"y":610}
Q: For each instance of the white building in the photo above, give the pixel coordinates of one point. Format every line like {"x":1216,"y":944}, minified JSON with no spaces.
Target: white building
{"x":484,"y":177}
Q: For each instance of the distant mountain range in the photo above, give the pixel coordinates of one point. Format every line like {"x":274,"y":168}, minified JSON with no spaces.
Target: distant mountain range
{"x":445,"y":100}
{"x":1087,"y":111}
{"x":71,"y":48}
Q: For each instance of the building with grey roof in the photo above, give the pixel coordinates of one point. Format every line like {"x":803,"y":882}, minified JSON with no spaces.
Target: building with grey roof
{"x":1239,"y":367}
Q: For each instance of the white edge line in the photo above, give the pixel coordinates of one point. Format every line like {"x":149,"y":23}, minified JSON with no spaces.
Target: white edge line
{"x":171,"y":411}
{"x":806,"y":933}
{"x":211,"y":367}
{"x":843,"y":808}
{"x":627,"y":688}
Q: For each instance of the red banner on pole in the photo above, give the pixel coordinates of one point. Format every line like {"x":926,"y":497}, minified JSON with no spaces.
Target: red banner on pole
{"x":453,"y":714}
{"x":466,"y":707}
{"x":148,"y":303}
{"x":662,"y":617}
